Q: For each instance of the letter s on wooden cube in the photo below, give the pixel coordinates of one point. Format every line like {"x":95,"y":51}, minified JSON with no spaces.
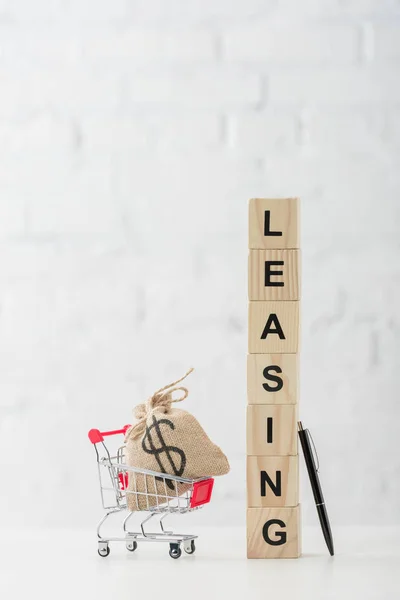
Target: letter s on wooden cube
{"x":272,"y":378}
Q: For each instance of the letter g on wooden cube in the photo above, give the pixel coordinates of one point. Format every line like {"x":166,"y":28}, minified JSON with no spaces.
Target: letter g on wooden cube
{"x":273,"y":532}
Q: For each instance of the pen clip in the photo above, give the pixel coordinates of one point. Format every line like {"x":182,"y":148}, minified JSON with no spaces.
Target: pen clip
{"x":315,"y":453}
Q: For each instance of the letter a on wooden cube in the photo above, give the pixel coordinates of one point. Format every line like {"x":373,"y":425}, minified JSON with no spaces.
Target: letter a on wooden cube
{"x":272,"y":378}
{"x":274,"y":223}
{"x":273,"y":532}
{"x":272,"y":481}
{"x":271,"y":430}
{"x":273,"y":327}
{"x":274,"y":274}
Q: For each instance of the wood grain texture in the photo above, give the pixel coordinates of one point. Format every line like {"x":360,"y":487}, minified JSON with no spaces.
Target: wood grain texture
{"x":284,"y":474}
{"x":283,"y":217}
{"x":287,"y":314}
{"x":271,"y":438}
{"x":263,"y":390}
{"x":286,"y":532}
{"x":263,"y":279}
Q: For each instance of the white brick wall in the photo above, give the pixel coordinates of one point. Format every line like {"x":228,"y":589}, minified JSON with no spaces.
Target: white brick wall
{"x":387,"y":42}
{"x":131,"y":136}
{"x":294,"y":45}
{"x":364,"y":86}
{"x":208,"y":87}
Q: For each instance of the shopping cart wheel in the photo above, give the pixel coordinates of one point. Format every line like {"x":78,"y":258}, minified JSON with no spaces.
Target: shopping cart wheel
{"x":174,"y":551}
{"x":131,"y":546}
{"x":189,"y":547}
{"x":103,"y":549}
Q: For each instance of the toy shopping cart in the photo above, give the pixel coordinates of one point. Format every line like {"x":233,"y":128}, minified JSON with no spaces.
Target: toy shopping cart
{"x":158,"y":493}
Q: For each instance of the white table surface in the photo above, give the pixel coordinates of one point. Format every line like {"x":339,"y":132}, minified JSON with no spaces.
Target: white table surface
{"x":61,"y":564}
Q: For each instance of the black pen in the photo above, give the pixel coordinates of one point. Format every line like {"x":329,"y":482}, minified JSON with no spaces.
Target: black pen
{"x":312,"y":469}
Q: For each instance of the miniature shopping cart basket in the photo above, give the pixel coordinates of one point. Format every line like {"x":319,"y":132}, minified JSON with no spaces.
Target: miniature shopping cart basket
{"x":115,"y":477}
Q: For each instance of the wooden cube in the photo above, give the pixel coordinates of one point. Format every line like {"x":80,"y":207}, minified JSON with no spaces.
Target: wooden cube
{"x":272,"y":481}
{"x":273,"y":532}
{"x":271,"y":430}
{"x":273,"y":327}
{"x":272,"y":378}
{"x":274,"y":223}
{"x":274,"y":275}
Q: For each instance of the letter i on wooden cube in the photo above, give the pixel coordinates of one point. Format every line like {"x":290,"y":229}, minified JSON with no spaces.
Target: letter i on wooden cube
{"x":271,"y":430}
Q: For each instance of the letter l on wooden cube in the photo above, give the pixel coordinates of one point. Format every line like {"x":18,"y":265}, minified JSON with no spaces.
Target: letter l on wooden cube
{"x":274,"y":223}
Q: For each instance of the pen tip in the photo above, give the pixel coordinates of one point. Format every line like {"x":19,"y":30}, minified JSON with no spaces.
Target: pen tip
{"x":300,"y":426}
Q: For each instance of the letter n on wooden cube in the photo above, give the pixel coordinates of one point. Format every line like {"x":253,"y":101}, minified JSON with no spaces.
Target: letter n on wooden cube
{"x":272,"y":481}
{"x":273,"y":532}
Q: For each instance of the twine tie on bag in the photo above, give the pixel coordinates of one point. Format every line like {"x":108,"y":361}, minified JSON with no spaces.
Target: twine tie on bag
{"x":161,"y":400}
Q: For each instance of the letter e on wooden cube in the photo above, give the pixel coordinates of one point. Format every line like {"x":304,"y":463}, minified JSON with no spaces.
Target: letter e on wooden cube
{"x":274,"y":274}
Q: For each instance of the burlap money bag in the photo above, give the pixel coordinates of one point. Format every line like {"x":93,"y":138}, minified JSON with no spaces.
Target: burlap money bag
{"x":167,"y":440}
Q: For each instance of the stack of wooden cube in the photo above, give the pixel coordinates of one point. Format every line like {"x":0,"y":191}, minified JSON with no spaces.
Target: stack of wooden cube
{"x":273,"y":513}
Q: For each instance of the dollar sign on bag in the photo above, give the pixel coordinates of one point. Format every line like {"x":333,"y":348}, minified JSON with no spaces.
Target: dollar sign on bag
{"x":149,"y":446}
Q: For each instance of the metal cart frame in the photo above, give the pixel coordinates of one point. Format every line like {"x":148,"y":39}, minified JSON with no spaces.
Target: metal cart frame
{"x":158,"y":494}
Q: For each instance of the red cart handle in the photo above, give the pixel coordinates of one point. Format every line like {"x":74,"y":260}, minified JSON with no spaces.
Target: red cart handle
{"x":96,"y":436}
